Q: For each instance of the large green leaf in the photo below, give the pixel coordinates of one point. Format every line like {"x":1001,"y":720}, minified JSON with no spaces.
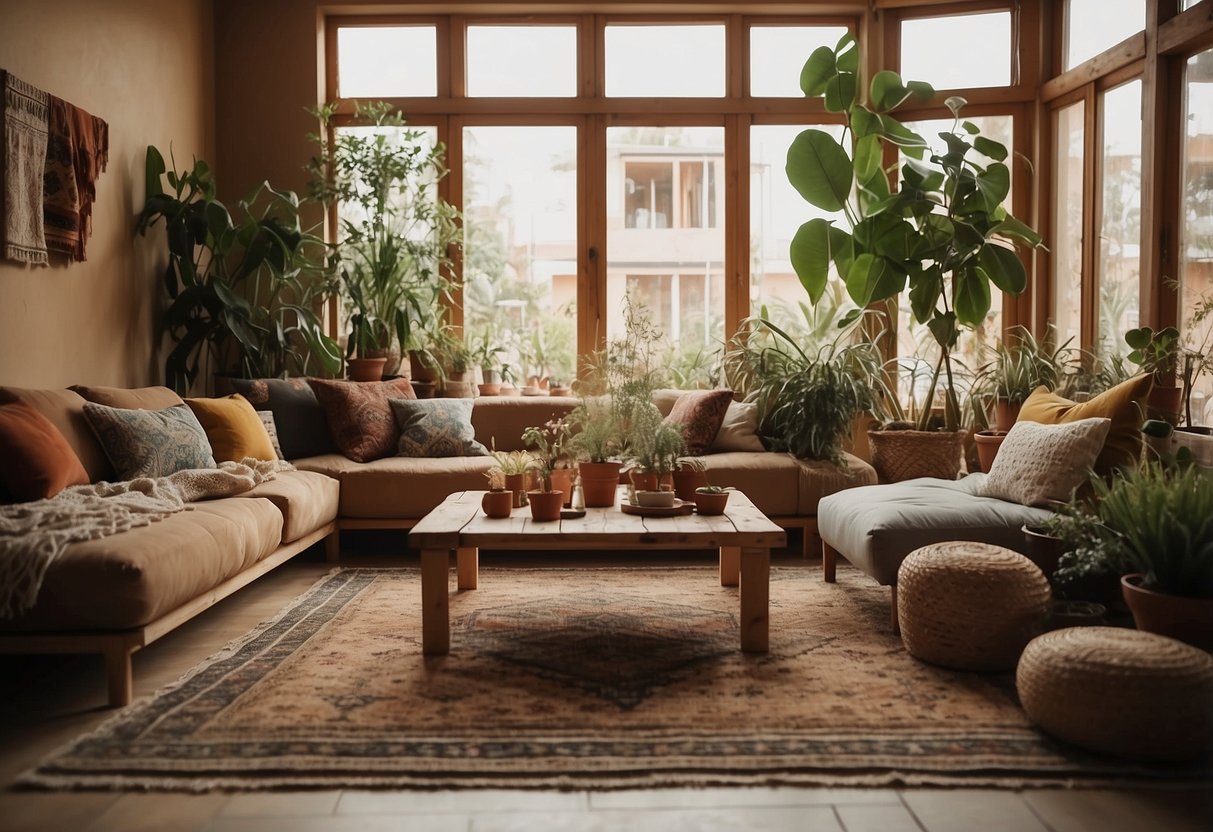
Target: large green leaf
{"x":1011,"y":227}
{"x":810,"y":255}
{"x":818,"y":70}
{"x":971,"y":296}
{"x":865,"y":272}
{"x":868,"y":153}
{"x":847,"y":50}
{"x":863,"y":121}
{"x":842,"y":249}
{"x":926,"y":287}
{"x":911,"y":143}
{"x":1004,"y":268}
{"x":994,"y":184}
{"x":944,"y":328}
{"x":988,"y":147}
{"x":887,"y":90}
{"x":820,"y":170}
{"x":153,"y":169}
{"x":919,"y":175}
{"x":840,"y":92}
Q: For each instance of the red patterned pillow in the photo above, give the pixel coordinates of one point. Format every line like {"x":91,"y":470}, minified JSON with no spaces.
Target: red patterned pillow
{"x":700,"y":412}
{"x":359,"y":416}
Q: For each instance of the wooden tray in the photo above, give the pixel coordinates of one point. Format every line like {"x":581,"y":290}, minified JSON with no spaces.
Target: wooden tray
{"x":680,"y":507}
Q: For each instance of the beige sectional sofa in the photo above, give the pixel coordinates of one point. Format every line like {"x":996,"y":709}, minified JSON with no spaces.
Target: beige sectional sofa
{"x":119,"y":593}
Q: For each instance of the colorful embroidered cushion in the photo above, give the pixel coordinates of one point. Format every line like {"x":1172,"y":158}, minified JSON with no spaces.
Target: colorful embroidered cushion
{"x":1039,"y":463}
{"x":359,"y":416}
{"x":150,"y":443}
{"x":271,"y":430}
{"x":36,"y":461}
{"x":302,"y":428}
{"x":234,"y":429}
{"x":700,"y":412}
{"x":436,"y":427}
{"x":1124,"y":404}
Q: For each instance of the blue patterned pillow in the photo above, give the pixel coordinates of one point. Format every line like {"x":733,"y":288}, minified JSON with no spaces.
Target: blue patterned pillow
{"x":436,"y":427}
{"x":150,"y":443}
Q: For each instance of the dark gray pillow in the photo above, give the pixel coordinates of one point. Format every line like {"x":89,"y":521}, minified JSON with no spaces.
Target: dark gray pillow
{"x":436,"y":428}
{"x":302,"y":428}
{"x":150,"y":443}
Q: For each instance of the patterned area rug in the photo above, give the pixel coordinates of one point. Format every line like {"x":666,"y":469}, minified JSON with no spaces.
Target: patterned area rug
{"x":598,"y":678}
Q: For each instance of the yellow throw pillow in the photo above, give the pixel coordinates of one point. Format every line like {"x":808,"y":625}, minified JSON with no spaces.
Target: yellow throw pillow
{"x":1124,"y":404}
{"x":233,"y":427}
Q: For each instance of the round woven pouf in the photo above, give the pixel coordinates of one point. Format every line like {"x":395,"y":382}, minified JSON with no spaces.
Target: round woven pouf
{"x":971,"y":606}
{"x":1122,"y":692}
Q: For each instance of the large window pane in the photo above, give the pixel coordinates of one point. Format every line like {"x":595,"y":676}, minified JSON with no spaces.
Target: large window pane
{"x":778,"y":53}
{"x":520,"y":255}
{"x":522,"y":60}
{"x":972,"y":50}
{"x":1196,"y":227}
{"x":1096,"y":25}
{"x":776,"y":211}
{"x":1119,"y":265}
{"x":1066,"y":242}
{"x":665,"y":61}
{"x":387,"y":61}
{"x":665,"y":236}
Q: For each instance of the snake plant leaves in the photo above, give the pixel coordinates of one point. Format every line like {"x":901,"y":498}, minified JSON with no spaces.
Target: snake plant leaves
{"x":972,"y":296}
{"x":1003,"y":267}
{"x":820,"y":170}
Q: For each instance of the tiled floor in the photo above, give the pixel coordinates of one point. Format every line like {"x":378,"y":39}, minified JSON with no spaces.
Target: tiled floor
{"x":50,"y":700}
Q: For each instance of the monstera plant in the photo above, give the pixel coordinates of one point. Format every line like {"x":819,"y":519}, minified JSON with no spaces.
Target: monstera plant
{"x":931,"y":226}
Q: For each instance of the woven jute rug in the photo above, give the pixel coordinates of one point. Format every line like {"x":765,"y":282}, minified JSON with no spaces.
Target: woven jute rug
{"x":577,"y":678}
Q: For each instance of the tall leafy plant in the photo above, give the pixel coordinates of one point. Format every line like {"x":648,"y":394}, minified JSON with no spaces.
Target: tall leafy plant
{"x":243,"y":286}
{"x":396,"y":236}
{"x":941,"y":234}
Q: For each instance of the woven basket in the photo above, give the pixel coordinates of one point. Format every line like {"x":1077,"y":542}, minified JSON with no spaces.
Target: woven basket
{"x":968,"y":605}
{"x":1118,"y":691}
{"x":907,"y":454}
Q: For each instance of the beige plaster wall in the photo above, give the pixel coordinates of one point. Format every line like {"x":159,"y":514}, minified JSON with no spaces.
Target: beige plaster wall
{"x":146,"y":67}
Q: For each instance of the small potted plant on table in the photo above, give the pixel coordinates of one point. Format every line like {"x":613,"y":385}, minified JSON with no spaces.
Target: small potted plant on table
{"x":595,"y":441}
{"x":498,"y":502}
{"x":655,"y":447}
{"x":710,"y":500}
{"x":547,"y":444}
{"x":517,"y":467}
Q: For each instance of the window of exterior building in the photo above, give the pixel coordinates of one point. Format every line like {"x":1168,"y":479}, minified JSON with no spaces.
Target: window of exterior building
{"x":958,"y":51}
{"x":1067,"y":236}
{"x":665,"y":61}
{"x":534,"y":61}
{"x":387,"y":61}
{"x":1119,"y":264}
{"x":1096,"y":25}
{"x":1196,"y":221}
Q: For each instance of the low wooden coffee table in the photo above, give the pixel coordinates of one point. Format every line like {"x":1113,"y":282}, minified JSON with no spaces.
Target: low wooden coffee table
{"x":743,"y":534}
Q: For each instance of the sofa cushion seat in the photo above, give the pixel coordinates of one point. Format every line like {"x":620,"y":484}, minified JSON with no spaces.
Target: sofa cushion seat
{"x":131,"y":578}
{"x":408,"y":488}
{"x":876,"y":526}
{"x":307,"y":501}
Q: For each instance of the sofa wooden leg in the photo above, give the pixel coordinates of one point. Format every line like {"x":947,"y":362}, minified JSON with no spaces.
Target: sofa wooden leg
{"x":829,"y":560}
{"x":332,"y":547}
{"x":118,"y":674}
{"x":893,"y":611}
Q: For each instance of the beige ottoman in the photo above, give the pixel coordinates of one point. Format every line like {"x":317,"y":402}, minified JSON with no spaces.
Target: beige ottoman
{"x":1122,"y":692}
{"x":972,"y":606}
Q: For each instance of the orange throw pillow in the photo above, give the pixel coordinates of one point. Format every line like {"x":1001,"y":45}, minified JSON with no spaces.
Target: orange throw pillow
{"x":233,"y":428}
{"x":1124,"y":404}
{"x":35,"y":460}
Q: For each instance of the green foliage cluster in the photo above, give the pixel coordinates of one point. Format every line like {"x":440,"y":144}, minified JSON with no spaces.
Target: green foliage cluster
{"x":1021,"y":363}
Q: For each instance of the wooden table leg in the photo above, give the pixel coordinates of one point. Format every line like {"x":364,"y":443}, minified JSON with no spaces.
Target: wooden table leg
{"x":730,"y":565}
{"x":755,"y":591}
{"x":435,"y":612}
{"x":467,"y":562}
{"x":829,"y":561}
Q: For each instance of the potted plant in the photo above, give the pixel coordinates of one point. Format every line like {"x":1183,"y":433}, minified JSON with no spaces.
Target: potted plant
{"x":690,"y":474}
{"x":517,"y":467}
{"x":654,"y":449}
{"x":243,"y":285}
{"x":1157,"y":353}
{"x":487,"y":355}
{"x":1020,"y":363}
{"x":457,"y":380}
{"x":595,"y":441}
{"x":395,"y":235}
{"x":547,"y":444}
{"x":711,"y":500}
{"x":942,"y":236}
{"x":1162,"y":519}
{"x":498,"y":501}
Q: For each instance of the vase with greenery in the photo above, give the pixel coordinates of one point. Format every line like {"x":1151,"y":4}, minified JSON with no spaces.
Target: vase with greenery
{"x":547,"y":445}
{"x":941,"y":236}
{"x":654,"y":448}
{"x":244,"y":286}
{"x":396,"y":237}
{"x":517,"y":467}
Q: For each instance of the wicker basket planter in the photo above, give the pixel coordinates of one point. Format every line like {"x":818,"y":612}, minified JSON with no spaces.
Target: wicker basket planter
{"x":1119,"y":691}
{"x":971,"y":606}
{"x":907,"y":454}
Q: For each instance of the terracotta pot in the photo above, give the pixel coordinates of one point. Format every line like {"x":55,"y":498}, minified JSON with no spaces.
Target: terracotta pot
{"x":491,"y":389}
{"x":458,"y":389}
{"x":423,"y":389}
{"x":1164,"y":402}
{"x":711,"y":504}
{"x":561,"y":391}
{"x":685,"y":482}
{"x":365,"y":369}
{"x":988,"y":443}
{"x":644,"y":481}
{"x":562,"y":481}
{"x":497,"y":504}
{"x":1006,"y":414}
{"x":545,"y":505}
{"x":1185,"y":619}
{"x":1044,"y":550}
{"x":518,"y":484}
{"x":392,"y":365}
{"x":599,"y":483}
{"x":510,"y":390}
{"x":419,"y":370}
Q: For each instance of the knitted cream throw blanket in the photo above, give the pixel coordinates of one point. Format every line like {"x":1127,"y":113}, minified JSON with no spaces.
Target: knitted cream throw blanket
{"x":33,"y":535}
